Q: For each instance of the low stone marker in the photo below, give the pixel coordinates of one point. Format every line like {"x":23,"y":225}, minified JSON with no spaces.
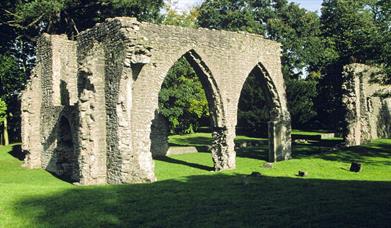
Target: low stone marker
{"x":268,"y":165}
{"x":175,"y":150}
{"x":302,"y":173}
{"x":355,"y":167}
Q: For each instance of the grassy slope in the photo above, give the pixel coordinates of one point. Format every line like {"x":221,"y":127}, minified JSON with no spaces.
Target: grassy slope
{"x":188,"y":193}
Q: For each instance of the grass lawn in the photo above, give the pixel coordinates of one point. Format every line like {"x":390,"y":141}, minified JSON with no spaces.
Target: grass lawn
{"x":189,"y":194}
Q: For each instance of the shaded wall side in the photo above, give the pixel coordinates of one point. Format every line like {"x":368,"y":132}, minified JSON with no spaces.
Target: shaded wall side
{"x":42,"y":89}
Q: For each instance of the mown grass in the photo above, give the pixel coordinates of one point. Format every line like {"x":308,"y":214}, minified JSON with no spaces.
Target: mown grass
{"x":189,"y":194}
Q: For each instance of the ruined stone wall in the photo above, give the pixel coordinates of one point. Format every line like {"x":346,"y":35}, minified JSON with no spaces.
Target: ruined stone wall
{"x":110,"y":129}
{"x":367,"y":104}
{"x":104,"y":88}
{"x":225,"y":59}
{"x":41,"y":103}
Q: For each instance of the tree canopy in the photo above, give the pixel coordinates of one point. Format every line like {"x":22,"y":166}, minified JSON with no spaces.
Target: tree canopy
{"x":296,"y":28}
{"x":31,"y":18}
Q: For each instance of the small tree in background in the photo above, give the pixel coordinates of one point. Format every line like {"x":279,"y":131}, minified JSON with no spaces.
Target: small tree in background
{"x":182,"y":99}
{"x":3,"y":121}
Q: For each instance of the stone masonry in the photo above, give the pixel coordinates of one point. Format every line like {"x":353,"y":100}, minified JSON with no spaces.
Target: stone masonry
{"x":367,"y":103}
{"x":89,"y":113}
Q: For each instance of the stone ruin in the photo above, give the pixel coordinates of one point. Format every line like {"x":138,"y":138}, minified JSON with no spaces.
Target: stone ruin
{"x":367,"y":102}
{"x":89,"y":112}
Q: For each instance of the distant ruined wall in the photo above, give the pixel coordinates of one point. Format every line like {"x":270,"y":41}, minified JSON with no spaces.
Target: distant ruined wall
{"x":94,"y":101}
{"x":367,"y":104}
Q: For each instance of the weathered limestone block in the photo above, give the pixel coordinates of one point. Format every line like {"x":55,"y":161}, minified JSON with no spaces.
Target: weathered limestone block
{"x":175,"y":150}
{"x":159,"y":136}
{"x":280,"y":139}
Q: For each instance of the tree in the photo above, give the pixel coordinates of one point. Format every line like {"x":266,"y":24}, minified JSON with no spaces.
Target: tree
{"x":12,"y":80}
{"x":3,"y":121}
{"x":182,"y":99}
{"x":301,"y":95}
{"x":253,"y":109}
{"x":351,"y":25}
{"x":186,"y":19}
{"x":33,"y":17}
{"x":383,"y":18}
{"x":296,"y":28}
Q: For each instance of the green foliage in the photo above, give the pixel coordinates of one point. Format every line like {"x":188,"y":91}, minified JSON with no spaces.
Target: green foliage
{"x":299,"y":32}
{"x":3,"y":110}
{"x":238,"y":15}
{"x":11,"y":78}
{"x":296,"y":28}
{"x":253,"y":108}
{"x":351,"y":25}
{"x":301,"y":95}
{"x":329,"y":100}
{"x":182,"y":99}
{"x":187,"y":19}
{"x":253,"y":113}
{"x":70,"y":16}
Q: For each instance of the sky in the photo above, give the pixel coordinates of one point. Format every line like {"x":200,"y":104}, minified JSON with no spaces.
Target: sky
{"x":313,"y":5}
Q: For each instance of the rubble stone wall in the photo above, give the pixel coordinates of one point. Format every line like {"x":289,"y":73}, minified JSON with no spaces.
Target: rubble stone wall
{"x":105,"y":86}
{"x":42,"y":108}
{"x":367,"y":104}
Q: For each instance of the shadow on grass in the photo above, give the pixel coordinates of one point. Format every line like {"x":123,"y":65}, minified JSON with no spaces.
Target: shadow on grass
{"x":17,"y":152}
{"x":216,"y":201}
{"x":260,"y":152}
{"x":374,"y":154}
{"x":180,"y":162}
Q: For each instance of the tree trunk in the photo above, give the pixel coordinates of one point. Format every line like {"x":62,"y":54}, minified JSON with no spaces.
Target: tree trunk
{"x":5,"y":133}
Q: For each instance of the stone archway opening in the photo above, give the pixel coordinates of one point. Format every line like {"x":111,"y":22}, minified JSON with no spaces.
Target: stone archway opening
{"x":252,"y":119}
{"x":66,"y":164}
{"x":263,"y":127}
{"x":189,"y":89}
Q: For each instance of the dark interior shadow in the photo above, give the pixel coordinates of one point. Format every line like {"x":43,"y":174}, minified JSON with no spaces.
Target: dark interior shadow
{"x":63,"y":178}
{"x":203,"y":200}
{"x":180,"y":162}
{"x":17,"y":152}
